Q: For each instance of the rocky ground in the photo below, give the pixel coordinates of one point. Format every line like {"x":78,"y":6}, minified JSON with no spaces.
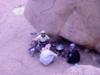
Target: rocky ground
{"x":14,"y":41}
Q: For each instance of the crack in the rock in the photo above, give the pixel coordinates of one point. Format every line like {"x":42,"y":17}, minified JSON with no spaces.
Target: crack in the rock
{"x":49,"y":8}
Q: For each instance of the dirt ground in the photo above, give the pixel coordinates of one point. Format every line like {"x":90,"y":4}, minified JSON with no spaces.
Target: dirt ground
{"x":14,"y":41}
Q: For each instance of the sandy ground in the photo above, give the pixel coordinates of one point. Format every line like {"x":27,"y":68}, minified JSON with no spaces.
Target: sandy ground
{"x":14,"y":41}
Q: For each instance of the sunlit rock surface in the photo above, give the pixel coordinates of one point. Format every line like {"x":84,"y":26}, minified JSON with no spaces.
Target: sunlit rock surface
{"x":83,"y":70}
{"x":75,"y":20}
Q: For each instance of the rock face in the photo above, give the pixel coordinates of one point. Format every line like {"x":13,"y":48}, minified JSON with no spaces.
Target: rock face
{"x":75,"y":20}
{"x":83,"y":70}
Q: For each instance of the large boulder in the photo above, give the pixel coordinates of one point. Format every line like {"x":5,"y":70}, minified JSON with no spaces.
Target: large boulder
{"x":83,"y":70}
{"x":75,"y":20}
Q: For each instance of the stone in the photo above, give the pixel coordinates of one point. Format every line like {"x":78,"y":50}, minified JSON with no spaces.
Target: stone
{"x":83,"y":70}
{"x":75,"y":20}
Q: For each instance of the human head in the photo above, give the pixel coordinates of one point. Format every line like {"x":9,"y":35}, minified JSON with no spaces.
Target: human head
{"x":48,"y":46}
{"x":43,"y":33}
{"x":72,"y":46}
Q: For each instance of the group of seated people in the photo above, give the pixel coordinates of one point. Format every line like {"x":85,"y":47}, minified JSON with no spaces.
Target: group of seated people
{"x":49,"y":52}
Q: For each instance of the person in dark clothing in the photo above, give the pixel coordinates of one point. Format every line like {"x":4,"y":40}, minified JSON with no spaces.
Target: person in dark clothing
{"x":73,"y":54}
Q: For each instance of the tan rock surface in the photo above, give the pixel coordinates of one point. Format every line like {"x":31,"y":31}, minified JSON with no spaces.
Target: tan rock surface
{"x":83,"y":70}
{"x":76,"y":20}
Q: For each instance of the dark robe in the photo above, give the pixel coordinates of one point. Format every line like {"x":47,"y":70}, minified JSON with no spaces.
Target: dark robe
{"x":73,"y":57}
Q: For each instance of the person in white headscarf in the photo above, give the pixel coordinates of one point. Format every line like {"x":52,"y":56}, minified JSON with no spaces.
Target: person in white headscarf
{"x":47,"y":56}
{"x":39,"y":42}
{"x":43,"y":37}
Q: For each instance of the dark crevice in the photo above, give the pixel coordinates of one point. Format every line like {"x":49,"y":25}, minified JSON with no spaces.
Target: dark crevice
{"x":66,"y":42}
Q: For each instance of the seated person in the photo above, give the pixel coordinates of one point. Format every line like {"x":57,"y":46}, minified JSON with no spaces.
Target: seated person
{"x":47,"y":56}
{"x":73,"y":54}
{"x":42,"y":39}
